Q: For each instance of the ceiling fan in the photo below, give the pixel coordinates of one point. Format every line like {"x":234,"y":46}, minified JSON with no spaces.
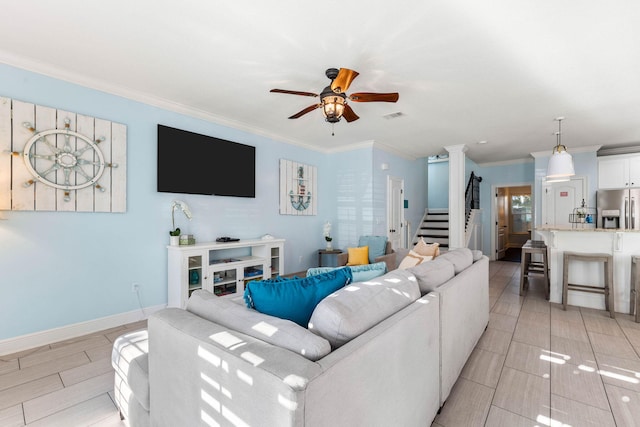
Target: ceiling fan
{"x":333,"y":99}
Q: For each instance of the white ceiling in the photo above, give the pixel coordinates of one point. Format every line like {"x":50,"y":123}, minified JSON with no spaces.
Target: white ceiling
{"x":466,"y":70}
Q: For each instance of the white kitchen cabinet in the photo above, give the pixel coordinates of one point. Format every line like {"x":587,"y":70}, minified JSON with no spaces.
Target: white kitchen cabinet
{"x":220,"y":268}
{"x":619,"y":172}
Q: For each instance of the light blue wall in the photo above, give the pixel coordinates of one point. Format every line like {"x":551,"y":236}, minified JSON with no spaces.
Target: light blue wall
{"x":438,"y":185}
{"x":62,"y":268}
{"x":499,"y":176}
{"x":414,"y":174}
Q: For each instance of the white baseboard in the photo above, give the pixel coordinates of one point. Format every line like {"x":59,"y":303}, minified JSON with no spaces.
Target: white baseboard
{"x":38,"y":339}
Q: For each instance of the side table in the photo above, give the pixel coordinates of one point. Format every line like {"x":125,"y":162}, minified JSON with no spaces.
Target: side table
{"x":333,"y":253}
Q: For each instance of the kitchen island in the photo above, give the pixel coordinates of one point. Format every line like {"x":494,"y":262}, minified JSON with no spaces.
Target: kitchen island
{"x":621,"y":244}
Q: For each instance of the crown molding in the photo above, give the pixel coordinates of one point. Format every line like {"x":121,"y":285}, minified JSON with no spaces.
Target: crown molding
{"x":506,"y":162}
{"x":574,"y":150}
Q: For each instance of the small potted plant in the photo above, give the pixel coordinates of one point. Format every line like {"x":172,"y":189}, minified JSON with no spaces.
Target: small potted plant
{"x":174,"y":237}
{"x":326,"y":232}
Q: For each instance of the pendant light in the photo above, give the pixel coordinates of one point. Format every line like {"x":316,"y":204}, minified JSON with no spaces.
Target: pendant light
{"x":560,"y":166}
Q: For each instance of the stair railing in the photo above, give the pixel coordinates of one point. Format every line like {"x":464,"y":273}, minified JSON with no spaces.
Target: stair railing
{"x":472,"y":195}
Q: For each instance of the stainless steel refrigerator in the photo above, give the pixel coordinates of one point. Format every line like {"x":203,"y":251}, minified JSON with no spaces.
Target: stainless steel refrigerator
{"x":618,"y":208}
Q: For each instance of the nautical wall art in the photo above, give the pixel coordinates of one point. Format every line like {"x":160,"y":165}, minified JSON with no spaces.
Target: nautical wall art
{"x":55,"y":160}
{"x":298,"y":188}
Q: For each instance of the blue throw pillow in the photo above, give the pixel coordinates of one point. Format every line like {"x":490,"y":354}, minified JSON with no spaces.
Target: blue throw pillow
{"x":361,"y":273}
{"x":377,"y":246}
{"x":296,"y":298}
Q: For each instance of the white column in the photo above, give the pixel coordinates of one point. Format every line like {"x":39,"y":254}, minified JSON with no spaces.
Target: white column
{"x":456,"y":195}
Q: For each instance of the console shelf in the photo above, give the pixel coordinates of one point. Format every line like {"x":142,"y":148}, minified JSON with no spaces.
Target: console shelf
{"x":221,"y":268}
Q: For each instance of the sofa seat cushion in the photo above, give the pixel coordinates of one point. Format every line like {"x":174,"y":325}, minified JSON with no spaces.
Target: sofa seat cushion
{"x":377,"y":246}
{"x":273,"y":330}
{"x":130,"y":359}
{"x":461,"y":258}
{"x":350,"y":311}
{"x":295,"y":298}
{"x":432,"y":274}
{"x":360,"y":273}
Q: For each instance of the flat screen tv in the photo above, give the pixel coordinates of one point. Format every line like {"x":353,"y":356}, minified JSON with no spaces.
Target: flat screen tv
{"x":198,"y":164}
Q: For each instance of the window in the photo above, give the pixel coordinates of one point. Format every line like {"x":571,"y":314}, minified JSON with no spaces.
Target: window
{"x":520,"y":213}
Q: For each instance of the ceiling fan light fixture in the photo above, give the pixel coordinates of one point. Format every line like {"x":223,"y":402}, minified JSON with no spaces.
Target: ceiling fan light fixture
{"x":333,"y":105}
{"x":560,"y":167}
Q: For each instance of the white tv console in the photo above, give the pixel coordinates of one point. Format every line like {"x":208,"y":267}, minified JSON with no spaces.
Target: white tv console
{"x":221,"y":268}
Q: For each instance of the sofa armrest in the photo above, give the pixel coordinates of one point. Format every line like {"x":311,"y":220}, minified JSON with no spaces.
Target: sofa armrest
{"x":342,"y":259}
{"x":389,"y":259}
{"x":464,"y":315}
{"x":197,"y":362}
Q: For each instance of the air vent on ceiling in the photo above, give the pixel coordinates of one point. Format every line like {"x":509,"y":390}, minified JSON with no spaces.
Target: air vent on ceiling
{"x":393,"y":115}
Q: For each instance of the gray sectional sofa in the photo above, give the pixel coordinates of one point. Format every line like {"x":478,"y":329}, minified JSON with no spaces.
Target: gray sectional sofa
{"x":379,"y":353}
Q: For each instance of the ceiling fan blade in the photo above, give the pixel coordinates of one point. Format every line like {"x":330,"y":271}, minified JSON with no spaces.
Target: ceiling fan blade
{"x":293,"y":92}
{"x":348,"y":114}
{"x":342,"y":82}
{"x":374,"y":97}
{"x":305,"y":111}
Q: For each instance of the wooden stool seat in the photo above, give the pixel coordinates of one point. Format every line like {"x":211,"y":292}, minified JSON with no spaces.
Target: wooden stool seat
{"x":529,"y":267}
{"x":634,"y":301}
{"x":606,"y":290}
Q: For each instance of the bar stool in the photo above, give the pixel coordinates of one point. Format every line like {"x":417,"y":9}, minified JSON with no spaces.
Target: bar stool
{"x":528,"y":267}
{"x":607,"y":290}
{"x":634,"y":301}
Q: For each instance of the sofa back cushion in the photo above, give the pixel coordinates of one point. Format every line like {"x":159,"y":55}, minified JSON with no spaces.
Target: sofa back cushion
{"x":350,"y":311}
{"x":461,"y":258}
{"x":280,"y":332}
{"x":432,"y":274}
{"x":294,"y":299}
{"x":360,"y":273}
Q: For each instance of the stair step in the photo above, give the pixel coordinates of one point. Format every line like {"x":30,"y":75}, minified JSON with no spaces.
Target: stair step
{"x":436,"y":239}
{"x":434,"y":232}
{"x":436,"y":217}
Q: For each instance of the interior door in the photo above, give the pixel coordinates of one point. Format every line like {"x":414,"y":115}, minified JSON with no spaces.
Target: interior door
{"x":501,"y":223}
{"x":395,"y":212}
{"x":559,"y":199}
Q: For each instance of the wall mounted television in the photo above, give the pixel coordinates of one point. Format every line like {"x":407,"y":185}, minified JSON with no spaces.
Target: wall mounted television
{"x":198,"y":164}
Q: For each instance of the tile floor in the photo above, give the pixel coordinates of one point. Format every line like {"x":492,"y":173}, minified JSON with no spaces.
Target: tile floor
{"x":535,"y":365}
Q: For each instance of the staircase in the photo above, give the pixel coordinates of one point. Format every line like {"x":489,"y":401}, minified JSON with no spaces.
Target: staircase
{"x":434,"y":227}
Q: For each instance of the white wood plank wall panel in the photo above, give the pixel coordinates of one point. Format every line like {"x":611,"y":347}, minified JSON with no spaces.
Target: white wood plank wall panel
{"x":15,"y":195}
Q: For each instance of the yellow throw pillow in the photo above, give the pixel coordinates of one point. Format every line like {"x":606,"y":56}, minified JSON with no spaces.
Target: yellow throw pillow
{"x":412,"y":259}
{"x":424,"y":249}
{"x":358,"y":256}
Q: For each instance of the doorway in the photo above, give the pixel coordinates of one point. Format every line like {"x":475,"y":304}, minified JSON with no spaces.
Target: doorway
{"x":395,"y":212}
{"x":513,"y":216}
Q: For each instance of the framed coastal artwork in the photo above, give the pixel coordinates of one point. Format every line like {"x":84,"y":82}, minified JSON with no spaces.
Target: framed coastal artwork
{"x":298,"y":188}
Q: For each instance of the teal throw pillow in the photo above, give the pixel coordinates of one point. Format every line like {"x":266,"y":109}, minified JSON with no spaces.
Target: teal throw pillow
{"x":296,"y":298}
{"x":377,"y":246}
{"x":361,"y":273}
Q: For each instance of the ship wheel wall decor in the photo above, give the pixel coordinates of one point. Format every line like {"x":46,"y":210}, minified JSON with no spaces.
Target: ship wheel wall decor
{"x":54,"y":160}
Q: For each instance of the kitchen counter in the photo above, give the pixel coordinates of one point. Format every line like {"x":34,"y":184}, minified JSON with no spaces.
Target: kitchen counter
{"x":621,"y":244}
{"x":580,"y":228}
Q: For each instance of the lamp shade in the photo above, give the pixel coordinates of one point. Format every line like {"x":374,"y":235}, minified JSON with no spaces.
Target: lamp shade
{"x":560,"y":166}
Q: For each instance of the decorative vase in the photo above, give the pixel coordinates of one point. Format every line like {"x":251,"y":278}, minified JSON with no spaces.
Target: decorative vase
{"x":329,"y":246}
{"x":174,"y":240}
